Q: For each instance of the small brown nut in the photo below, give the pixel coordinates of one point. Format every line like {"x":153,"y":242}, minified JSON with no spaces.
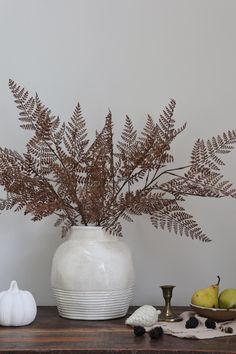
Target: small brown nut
{"x":229,"y":330}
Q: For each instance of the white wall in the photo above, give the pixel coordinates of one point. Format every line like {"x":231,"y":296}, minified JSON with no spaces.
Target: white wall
{"x":130,"y":56}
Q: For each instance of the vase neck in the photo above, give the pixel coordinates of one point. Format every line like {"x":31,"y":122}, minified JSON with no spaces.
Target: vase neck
{"x":87,"y":233}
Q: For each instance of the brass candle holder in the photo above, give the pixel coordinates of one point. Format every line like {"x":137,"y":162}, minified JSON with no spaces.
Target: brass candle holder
{"x":167,"y":314}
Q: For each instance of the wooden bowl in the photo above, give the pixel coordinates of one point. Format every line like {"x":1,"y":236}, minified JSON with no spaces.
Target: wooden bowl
{"x":215,"y":314}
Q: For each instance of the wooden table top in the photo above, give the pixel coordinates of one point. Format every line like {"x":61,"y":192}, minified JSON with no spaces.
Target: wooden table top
{"x":52,"y":334}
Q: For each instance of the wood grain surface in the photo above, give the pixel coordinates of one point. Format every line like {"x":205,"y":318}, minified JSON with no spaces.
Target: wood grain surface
{"x":50,"y":333}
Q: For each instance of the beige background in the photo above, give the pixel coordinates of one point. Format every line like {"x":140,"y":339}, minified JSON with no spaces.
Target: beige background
{"x":130,"y":56}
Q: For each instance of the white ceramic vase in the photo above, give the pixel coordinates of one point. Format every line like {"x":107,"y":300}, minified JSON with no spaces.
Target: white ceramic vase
{"x":92,"y":275}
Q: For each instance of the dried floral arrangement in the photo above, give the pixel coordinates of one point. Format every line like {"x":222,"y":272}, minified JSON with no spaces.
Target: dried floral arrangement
{"x":98,"y":183}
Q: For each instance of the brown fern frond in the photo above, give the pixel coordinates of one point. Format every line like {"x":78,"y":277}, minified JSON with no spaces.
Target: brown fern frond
{"x":128,"y":135}
{"x":174,"y":218}
{"x":126,"y":217}
{"x":206,"y":154}
{"x":113,"y":228}
{"x":202,"y":183}
{"x":166,"y":121}
{"x":99,"y":181}
{"x":149,"y":130}
{"x":25,"y":104}
{"x":75,"y":138}
{"x":61,"y":173}
{"x":126,"y":148}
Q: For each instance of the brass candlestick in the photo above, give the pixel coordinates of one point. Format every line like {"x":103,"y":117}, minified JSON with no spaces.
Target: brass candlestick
{"x":167,"y":313}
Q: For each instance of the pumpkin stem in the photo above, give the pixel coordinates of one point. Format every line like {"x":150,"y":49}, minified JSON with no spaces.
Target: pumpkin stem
{"x":13,"y":286}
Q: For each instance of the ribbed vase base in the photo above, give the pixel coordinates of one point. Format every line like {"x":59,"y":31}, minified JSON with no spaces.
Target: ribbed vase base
{"x":93,"y":305}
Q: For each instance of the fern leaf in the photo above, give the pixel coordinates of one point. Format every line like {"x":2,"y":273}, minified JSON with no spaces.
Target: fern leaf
{"x":25,"y":104}
{"x":75,"y":139}
{"x":206,"y":154}
{"x":174,"y":218}
{"x":149,"y":130}
{"x":113,"y":228}
{"x":128,"y":139}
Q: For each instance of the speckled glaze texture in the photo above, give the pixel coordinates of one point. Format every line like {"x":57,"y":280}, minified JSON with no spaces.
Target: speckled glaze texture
{"x":92,"y":275}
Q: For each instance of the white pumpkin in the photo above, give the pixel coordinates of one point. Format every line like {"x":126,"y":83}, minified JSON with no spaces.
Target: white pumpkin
{"x":17,"y":307}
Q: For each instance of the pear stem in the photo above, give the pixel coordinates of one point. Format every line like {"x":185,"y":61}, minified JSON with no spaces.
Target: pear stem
{"x":218,"y":282}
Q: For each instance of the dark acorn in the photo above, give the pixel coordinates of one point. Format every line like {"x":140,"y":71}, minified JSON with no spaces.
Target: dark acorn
{"x":192,"y":322}
{"x":210,"y":324}
{"x":139,"y":331}
{"x":229,"y":330}
{"x":156,"y":332}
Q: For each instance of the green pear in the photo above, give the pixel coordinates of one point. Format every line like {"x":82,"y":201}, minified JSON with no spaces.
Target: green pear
{"x":207,"y":297}
{"x":227,"y":299}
